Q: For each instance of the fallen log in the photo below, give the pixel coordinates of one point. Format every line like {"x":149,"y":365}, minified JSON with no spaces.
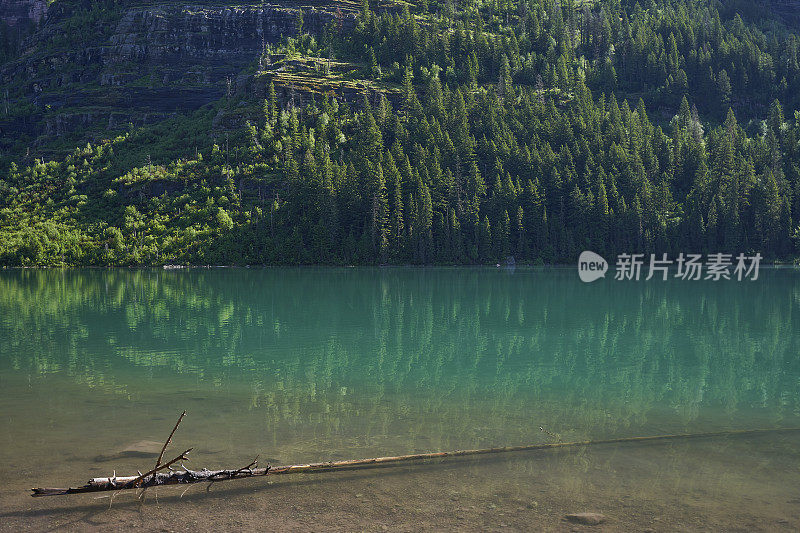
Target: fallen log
{"x":186,"y":476}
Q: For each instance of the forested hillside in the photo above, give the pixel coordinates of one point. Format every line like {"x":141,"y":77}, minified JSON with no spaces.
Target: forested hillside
{"x":430,"y":132}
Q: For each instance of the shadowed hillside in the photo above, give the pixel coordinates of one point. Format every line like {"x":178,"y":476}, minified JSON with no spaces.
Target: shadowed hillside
{"x":391,"y":132}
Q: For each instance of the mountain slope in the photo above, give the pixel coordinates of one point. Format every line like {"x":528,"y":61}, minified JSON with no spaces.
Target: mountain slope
{"x":420,"y":133}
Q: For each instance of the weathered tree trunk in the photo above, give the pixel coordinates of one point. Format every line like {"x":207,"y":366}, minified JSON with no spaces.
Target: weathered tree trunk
{"x":186,"y":476}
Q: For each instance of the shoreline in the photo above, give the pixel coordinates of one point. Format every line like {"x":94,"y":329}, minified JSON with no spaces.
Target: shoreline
{"x":772,"y":265}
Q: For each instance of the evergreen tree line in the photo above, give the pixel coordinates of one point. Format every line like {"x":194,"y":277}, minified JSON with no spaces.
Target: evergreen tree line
{"x":476,"y":177}
{"x":670,"y":49}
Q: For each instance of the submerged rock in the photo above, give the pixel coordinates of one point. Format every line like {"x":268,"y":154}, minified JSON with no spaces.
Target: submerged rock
{"x":142,"y":449}
{"x":589,"y":519}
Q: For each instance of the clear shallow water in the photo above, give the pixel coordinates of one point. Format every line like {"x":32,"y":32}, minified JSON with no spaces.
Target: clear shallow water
{"x":315,"y":364}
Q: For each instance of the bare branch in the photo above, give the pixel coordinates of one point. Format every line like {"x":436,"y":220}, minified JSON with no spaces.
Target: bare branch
{"x":169,"y":439}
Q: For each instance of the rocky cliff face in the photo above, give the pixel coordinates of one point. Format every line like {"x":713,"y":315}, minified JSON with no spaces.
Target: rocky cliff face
{"x":205,"y":34}
{"x":178,"y":41}
{"x":158,"y":60}
{"x":22,"y":12}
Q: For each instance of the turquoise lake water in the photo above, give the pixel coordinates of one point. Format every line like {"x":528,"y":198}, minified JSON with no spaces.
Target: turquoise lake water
{"x":313,"y":364}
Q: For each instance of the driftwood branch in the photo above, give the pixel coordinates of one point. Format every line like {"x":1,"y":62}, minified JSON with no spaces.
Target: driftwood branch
{"x":176,"y":477}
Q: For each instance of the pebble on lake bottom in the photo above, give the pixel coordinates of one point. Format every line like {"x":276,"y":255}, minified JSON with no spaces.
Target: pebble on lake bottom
{"x":589,"y":519}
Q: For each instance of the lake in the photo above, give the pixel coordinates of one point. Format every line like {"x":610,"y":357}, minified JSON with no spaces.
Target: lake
{"x":311,"y":364}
